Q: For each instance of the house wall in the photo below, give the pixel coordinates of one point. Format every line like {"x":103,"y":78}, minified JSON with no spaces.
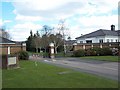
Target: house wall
{"x":114,"y":38}
{"x":91,"y":45}
{"x":96,"y":39}
{"x":13,"y":48}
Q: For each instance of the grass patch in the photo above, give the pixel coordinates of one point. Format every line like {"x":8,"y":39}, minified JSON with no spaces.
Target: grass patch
{"x":48,"y":76}
{"x":103,"y":58}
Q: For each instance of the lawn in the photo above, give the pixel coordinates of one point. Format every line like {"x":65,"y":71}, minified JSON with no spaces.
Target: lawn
{"x":42,"y":75}
{"x":103,"y":58}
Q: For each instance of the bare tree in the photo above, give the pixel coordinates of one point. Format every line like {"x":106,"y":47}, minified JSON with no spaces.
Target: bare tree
{"x":62,"y":29}
{"x":57,"y":40}
{"x":37,"y":41}
{"x":4,"y":33}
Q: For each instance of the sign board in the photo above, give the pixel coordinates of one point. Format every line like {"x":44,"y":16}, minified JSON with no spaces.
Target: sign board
{"x":11,"y":60}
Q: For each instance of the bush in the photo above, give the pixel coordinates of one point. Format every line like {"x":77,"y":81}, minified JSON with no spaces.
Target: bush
{"x":90,"y":52}
{"x":79,"y":53}
{"x":45,"y":54}
{"x":23,"y":55}
{"x":101,"y":51}
{"x":106,"y":51}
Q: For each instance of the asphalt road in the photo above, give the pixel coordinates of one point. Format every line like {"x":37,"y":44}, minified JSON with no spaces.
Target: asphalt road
{"x":100,"y":68}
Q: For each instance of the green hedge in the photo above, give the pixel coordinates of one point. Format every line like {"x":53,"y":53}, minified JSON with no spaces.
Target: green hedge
{"x":23,"y":55}
{"x":102,"y":51}
{"x":79,"y":53}
{"x":93,"y":52}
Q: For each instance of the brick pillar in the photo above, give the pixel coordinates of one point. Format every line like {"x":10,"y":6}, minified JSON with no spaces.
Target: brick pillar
{"x":92,"y":46}
{"x":52,"y":54}
{"x":83,"y":46}
{"x":100,"y":45}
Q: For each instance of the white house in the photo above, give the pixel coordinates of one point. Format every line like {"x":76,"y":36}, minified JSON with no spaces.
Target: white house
{"x":100,"y":36}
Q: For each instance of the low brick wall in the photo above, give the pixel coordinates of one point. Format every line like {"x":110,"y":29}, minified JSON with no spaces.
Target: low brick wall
{"x":91,"y":45}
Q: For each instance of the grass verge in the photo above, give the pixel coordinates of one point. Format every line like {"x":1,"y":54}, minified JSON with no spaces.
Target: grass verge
{"x":103,"y":58}
{"x":41,"y":75}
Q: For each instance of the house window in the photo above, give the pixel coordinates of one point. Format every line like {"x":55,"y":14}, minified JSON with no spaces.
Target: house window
{"x":101,"y":41}
{"x":88,"y":41}
{"x":107,"y":40}
{"x":81,"y":41}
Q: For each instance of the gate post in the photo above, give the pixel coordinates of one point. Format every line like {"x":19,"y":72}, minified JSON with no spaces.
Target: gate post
{"x":51,"y":49}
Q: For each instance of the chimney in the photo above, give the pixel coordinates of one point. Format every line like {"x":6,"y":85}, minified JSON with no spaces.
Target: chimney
{"x":112,"y":27}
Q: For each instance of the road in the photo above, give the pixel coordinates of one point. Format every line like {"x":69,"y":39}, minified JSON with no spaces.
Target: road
{"x":101,"y":68}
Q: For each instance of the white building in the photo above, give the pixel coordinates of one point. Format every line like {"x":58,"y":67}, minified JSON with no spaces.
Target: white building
{"x":100,"y":36}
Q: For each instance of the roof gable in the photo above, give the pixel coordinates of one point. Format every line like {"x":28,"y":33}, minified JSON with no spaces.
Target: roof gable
{"x":6,"y":41}
{"x":100,"y":32}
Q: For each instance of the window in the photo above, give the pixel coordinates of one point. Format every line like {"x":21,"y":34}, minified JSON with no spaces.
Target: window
{"x":88,"y":41}
{"x":107,"y":40}
{"x":81,"y":41}
{"x":101,"y":41}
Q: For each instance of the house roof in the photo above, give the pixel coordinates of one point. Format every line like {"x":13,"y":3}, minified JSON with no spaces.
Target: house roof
{"x":101,"y":32}
{"x":6,"y":41}
{"x":70,"y":42}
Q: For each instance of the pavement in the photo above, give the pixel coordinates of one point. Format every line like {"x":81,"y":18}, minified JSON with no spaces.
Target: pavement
{"x":101,"y":68}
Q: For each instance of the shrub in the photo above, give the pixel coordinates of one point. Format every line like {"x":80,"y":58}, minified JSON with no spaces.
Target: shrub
{"x":90,"y":52}
{"x":79,"y":53}
{"x":45,"y":54}
{"x":102,"y":51}
{"x":23,"y":55}
{"x":106,"y":51}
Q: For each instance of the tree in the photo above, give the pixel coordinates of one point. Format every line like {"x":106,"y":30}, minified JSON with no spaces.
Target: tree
{"x":62,"y":29}
{"x":29,"y":42}
{"x":57,"y":40}
{"x":4,"y":33}
{"x":46,"y":30}
{"x":45,"y":41}
{"x":36,"y":41}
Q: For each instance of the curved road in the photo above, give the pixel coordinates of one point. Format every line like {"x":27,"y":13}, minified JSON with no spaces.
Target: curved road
{"x":101,"y":68}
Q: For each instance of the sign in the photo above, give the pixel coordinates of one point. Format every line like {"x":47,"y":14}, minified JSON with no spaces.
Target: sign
{"x":11,"y":60}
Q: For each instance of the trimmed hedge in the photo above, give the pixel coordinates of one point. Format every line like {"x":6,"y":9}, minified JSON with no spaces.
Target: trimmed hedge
{"x":79,"y":53}
{"x":93,"y":52}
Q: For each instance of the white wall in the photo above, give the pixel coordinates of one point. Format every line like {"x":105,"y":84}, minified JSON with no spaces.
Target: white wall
{"x":111,"y":37}
{"x":96,"y":39}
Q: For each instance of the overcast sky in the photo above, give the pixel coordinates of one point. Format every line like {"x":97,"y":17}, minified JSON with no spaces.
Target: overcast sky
{"x":81,"y":16}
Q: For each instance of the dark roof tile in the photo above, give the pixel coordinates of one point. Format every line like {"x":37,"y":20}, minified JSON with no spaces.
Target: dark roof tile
{"x":100,"y":32}
{"x":4,"y":40}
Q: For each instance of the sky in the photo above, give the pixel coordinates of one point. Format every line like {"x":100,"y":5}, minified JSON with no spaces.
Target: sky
{"x":81,"y":17}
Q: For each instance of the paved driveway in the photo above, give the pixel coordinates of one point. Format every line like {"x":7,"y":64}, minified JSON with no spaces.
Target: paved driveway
{"x":101,"y":68}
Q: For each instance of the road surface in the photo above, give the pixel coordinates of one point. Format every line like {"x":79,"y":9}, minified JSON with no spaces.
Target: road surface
{"x":101,"y":68}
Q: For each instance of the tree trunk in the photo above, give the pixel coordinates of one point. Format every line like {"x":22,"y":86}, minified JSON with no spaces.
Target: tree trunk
{"x":55,"y":50}
{"x":36,"y":50}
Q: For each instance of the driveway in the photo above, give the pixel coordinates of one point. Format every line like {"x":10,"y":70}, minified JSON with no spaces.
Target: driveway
{"x":101,"y":68}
